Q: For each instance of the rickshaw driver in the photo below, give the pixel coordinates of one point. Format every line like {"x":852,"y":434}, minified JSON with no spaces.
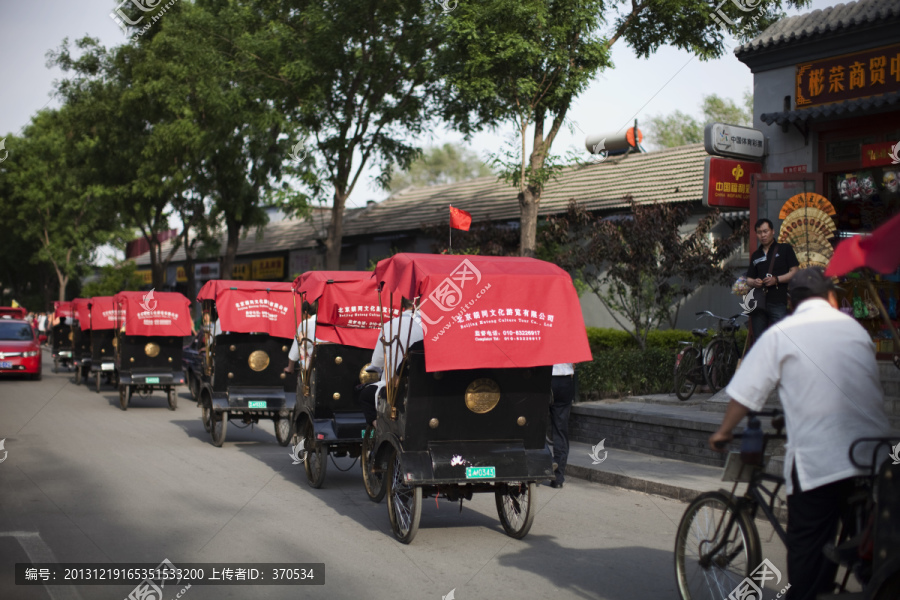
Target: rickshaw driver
{"x":308,"y":315}
{"x":400,"y":327}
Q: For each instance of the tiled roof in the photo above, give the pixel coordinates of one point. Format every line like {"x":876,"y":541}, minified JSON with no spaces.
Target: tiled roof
{"x":834,"y":19}
{"x":833,"y":111}
{"x":671,"y":175}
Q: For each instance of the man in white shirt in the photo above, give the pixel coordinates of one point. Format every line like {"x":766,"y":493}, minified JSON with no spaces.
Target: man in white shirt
{"x":308,"y":315}
{"x":400,"y":333}
{"x":822,"y":362}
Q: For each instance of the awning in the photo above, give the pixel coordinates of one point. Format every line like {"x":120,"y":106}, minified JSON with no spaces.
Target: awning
{"x":831,"y":111}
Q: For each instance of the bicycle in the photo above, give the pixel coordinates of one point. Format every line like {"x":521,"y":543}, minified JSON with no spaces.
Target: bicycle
{"x":689,"y":365}
{"x":717,"y":545}
{"x":722,"y":353}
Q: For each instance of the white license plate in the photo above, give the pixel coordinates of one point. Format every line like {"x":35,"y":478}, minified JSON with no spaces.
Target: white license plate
{"x":5,"y":365}
{"x":65,"y":353}
{"x":151,"y":380}
{"x":107,"y":367}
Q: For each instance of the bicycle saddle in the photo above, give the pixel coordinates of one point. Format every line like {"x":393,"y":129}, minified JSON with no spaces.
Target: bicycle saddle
{"x":700,"y":332}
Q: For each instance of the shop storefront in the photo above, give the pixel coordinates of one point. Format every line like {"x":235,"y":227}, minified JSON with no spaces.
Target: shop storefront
{"x":829,"y":106}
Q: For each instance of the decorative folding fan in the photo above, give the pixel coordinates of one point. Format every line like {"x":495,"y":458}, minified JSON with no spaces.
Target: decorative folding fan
{"x":806,"y":200}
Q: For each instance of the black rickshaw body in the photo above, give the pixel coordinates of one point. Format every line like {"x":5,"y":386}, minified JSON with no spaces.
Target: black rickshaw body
{"x":148,"y":342}
{"x":103,"y":351}
{"x":81,"y":338}
{"x":240,"y":375}
{"x":466,"y":400}
{"x":62,"y":347}
{"x":442,"y":440}
{"x":103,"y":340}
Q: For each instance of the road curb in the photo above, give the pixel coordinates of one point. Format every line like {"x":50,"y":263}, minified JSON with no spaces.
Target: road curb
{"x":632,"y":483}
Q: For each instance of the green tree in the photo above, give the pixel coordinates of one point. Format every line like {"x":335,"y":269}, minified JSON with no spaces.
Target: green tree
{"x":357,"y":75}
{"x":640,"y":265}
{"x":112,"y":279}
{"x":679,"y":129}
{"x":439,"y":165}
{"x":525,"y":61}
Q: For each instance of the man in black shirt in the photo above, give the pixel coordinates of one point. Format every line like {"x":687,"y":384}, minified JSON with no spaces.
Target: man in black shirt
{"x":770,"y":273}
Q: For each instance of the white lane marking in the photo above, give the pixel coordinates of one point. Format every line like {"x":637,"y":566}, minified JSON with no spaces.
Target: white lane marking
{"x":39,"y":552}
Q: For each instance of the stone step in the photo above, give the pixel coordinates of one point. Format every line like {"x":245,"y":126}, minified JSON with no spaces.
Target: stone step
{"x":675,"y":432}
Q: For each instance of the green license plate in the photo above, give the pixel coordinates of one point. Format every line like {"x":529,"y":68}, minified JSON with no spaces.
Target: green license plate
{"x":256,"y":404}
{"x":151,"y":380}
{"x":480,"y":472}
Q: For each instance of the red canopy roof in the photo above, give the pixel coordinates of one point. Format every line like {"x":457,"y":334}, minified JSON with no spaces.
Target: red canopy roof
{"x":879,"y":251}
{"x":82,"y":312}
{"x":153,"y":313}
{"x":348,"y":311}
{"x":490,"y":312}
{"x":63,"y":309}
{"x":103,"y":312}
{"x":252,"y":306}
{"x":18,"y":312}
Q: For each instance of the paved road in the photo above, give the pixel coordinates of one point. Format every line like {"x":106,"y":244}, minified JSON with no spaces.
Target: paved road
{"x":85,"y":481}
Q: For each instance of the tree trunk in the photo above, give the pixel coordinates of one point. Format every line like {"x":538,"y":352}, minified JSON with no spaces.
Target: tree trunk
{"x":156,"y":269}
{"x":335,"y":233}
{"x":529,"y":202}
{"x":189,"y":262}
{"x":231,"y":246}
{"x":63,"y":282}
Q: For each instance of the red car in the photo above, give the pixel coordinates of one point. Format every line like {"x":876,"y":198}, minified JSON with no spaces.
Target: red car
{"x":20,"y":351}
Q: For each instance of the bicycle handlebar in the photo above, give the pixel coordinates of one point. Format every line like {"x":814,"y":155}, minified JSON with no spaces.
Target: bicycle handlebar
{"x":775,"y":413}
{"x":879,"y":442}
{"x":708,"y":313}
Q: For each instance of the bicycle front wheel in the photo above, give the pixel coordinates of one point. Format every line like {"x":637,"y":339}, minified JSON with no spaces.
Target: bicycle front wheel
{"x":721,"y":361}
{"x":716,"y":547}
{"x":686,"y":364}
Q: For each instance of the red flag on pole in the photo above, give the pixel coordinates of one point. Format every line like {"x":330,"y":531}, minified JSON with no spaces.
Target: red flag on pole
{"x":460,"y":219}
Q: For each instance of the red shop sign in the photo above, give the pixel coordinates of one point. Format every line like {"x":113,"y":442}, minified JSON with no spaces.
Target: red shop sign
{"x":875,"y":155}
{"x":726,"y":183}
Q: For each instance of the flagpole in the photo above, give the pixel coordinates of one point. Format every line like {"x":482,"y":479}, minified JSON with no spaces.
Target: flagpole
{"x":450,"y":223}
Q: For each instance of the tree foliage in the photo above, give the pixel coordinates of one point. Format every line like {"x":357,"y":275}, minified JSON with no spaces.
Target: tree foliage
{"x":439,"y":165}
{"x":112,"y":279}
{"x":640,"y":265}
{"x":679,"y":129}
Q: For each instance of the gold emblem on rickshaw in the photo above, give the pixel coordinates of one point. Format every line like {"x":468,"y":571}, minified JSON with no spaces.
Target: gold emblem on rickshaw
{"x":258,"y":360}
{"x":367,"y":377}
{"x":482,"y":395}
{"x":151,"y":350}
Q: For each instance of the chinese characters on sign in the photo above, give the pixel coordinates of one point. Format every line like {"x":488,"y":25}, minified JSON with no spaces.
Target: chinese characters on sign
{"x":726,"y":182}
{"x":721,"y":139}
{"x":268,"y":268}
{"x":839,"y":78}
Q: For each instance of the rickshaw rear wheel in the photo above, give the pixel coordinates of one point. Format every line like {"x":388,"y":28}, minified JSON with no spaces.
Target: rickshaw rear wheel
{"x":283,"y":431}
{"x":172,"y":398}
{"x":374,"y":482}
{"x":515,"y":505}
{"x":205,"y":413}
{"x":404,"y":503}
{"x":193,"y":387}
{"x":218,"y":425}
{"x":77,"y":375}
{"x":55,"y":365}
{"x":124,"y":396}
{"x":316,"y":458}
{"x":98,"y":382}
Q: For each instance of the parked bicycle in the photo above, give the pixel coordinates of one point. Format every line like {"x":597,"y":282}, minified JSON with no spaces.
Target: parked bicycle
{"x":714,"y":364}
{"x":717,"y":545}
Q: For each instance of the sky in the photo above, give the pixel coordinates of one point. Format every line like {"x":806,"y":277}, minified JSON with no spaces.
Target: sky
{"x":635,"y":88}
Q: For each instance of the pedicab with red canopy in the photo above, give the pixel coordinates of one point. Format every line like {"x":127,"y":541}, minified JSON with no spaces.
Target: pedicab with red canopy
{"x":245,"y":353}
{"x":61,"y":335}
{"x":328,"y":418}
{"x":466,"y":409}
{"x":150,"y":331}
{"x":103,"y":340}
{"x":81,"y":338}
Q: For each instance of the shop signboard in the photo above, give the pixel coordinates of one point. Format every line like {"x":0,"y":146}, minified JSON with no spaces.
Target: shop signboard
{"x":858,"y":75}
{"x":268,"y":268}
{"x":877,"y":155}
{"x":180,"y":275}
{"x":726,"y":182}
{"x":721,"y":139}
{"x":206,"y":271}
{"x":241,"y":272}
{"x":146,"y":277}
